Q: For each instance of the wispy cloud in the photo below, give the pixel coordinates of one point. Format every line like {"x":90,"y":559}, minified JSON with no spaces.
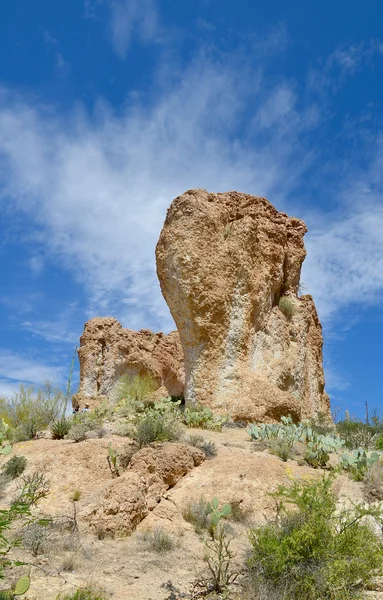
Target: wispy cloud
{"x":133,"y":20}
{"x":98,"y":185}
{"x":15,"y":368}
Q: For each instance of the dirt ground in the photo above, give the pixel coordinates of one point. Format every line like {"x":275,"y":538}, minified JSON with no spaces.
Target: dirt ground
{"x":125,"y":567}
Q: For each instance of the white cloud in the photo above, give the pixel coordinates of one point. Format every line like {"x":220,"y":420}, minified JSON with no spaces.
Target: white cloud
{"x":16,"y":368}
{"x":99,"y":187}
{"x":133,"y":19}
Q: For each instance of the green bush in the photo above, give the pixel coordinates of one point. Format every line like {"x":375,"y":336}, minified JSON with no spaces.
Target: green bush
{"x":314,"y":551}
{"x":88,"y":593}
{"x":286,"y":306}
{"x":379,"y":442}
{"x":155,"y":427}
{"x":32,"y":488}
{"x":136,"y":387}
{"x":203,"y":418}
{"x":60,"y":428}
{"x":198,"y":514}
{"x":30,"y":410}
{"x":14,"y":467}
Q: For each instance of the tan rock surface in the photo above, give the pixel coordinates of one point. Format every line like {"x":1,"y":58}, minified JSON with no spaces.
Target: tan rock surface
{"x":107,"y":351}
{"x":124,"y":566}
{"x":224,"y":261}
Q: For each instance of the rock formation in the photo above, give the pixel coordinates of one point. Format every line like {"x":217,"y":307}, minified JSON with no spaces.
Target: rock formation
{"x":224,"y":262}
{"x":107,"y":351}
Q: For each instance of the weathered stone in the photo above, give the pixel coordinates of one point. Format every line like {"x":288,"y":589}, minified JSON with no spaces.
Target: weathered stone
{"x":108,"y":351}
{"x":224,"y":261}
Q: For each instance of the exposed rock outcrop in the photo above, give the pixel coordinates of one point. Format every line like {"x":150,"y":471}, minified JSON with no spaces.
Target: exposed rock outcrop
{"x":128,"y":499}
{"x":107,"y":351}
{"x":224,"y":261}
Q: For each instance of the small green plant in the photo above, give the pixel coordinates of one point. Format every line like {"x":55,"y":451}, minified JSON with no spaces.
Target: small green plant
{"x":198,"y":514}
{"x":60,"y":428}
{"x":14,"y":467}
{"x":358,"y":462}
{"x":33,"y":488}
{"x":314,"y":550}
{"x":113,"y":461}
{"x":136,"y":387}
{"x":281,"y":448}
{"x":286,"y":306}
{"x":379,"y":442}
{"x":203,"y":418}
{"x":219,"y":555}
{"x":157,"y":540}
{"x":208,"y":447}
{"x":154,"y":427}
{"x":88,"y":593}
{"x":75,"y":497}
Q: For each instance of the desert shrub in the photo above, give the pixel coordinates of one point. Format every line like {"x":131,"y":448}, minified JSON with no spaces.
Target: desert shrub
{"x":135,"y":387}
{"x":81,"y":424}
{"x":68,"y":563}
{"x":88,"y":593}
{"x":198,"y":514}
{"x":379,"y":442}
{"x":8,"y":518}
{"x":30,"y":410}
{"x":286,"y":306}
{"x":238,"y":513}
{"x":60,"y":428}
{"x":314,"y":550}
{"x":208,"y":447}
{"x":32,"y":489}
{"x":203,"y":418}
{"x":14,"y":467}
{"x":156,"y":428}
{"x":157,"y":540}
{"x":35,"y":535}
{"x":281,"y":448}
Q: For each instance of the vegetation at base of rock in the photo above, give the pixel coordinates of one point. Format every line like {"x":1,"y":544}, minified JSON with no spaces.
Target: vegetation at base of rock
{"x":31,"y":410}
{"x":282,"y":437}
{"x":156,"y":428}
{"x":136,"y":387}
{"x":358,"y":462}
{"x":203,"y":418}
{"x":198,"y":514}
{"x":358,"y":434}
{"x":14,"y":467}
{"x":60,"y":428}
{"x":208,"y":447}
{"x":286,"y":306}
{"x":157,"y":540}
{"x":88,"y":593}
{"x":314,"y":550}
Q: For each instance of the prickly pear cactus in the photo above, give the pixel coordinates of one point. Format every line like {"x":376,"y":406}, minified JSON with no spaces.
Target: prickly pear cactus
{"x":22,"y":586}
{"x":6,"y":449}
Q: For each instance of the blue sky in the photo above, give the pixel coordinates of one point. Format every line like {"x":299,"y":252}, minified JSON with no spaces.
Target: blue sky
{"x":111,"y":108}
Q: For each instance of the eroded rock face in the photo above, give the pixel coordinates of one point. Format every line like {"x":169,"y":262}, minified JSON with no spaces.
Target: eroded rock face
{"x":107,"y":351}
{"x":224,"y":261}
{"x":127,"y":500}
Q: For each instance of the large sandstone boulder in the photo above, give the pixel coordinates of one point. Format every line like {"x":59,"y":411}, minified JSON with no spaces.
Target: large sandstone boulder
{"x":107,"y":351}
{"x":224,"y":261}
